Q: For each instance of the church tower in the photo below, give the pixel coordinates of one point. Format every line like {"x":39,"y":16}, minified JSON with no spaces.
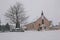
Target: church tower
{"x":42,"y":15}
{"x":42,"y":26}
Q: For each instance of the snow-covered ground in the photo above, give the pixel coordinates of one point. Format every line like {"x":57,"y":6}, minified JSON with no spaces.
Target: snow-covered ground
{"x":31,"y":35}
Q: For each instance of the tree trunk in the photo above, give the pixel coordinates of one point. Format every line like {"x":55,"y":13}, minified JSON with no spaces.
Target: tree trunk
{"x":17,"y":25}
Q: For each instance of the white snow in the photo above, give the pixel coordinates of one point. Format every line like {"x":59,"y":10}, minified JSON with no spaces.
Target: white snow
{"x":31,"y":35}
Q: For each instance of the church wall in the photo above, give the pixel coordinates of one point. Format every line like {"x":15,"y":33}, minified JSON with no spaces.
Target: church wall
{"x":39,"y":22}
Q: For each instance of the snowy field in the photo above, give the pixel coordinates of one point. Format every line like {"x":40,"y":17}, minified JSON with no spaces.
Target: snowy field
{"x":31,"y":35}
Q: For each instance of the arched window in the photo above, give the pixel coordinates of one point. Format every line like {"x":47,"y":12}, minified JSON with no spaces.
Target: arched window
{"x":42,"y":21}
{"x":39,"y":24}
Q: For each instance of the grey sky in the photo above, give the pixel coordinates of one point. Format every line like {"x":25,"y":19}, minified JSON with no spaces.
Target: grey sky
{"x":51,"y":9}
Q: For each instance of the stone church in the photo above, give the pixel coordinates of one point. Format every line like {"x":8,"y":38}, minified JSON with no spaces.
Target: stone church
{"x":41,"y":23}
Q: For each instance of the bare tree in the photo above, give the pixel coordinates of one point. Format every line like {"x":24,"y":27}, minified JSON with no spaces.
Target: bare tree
{"x":16,"y":14}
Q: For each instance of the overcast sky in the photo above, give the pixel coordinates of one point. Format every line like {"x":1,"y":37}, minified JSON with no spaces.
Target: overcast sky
{"x":33,"y":8}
